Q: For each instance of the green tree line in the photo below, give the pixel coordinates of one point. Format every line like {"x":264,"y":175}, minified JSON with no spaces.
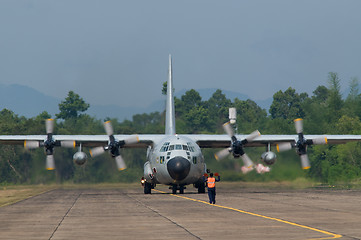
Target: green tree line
{"x":324,"y":112}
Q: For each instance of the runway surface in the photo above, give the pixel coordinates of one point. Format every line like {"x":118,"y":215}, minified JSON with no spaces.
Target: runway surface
{"x":127,"y":213}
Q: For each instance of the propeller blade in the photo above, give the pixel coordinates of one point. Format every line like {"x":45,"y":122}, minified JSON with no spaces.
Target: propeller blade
{"x":253,"y":135}
{"x":132,"y":139}
{"x":246,"y":170}
{"x":262,"y":169}
{"x":49,"y":125}
{"x":283,"y":147}
{"x":96,"y":151}
{"x":31,"y":144}
{"x":50,"y":163}
{"x":247,"y":161}
{"x":319,"y":141}
{"x":299,"y":125}
{"x":305,"y":162}
{"x":67,"y":144}
{"x":108,"y":128}
{"x":120,"y":163}
{"x":228,"y":129}
{"x":222,"y":154}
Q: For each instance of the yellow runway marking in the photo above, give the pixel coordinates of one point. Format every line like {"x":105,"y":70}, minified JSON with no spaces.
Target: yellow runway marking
{"x":330,"y":235}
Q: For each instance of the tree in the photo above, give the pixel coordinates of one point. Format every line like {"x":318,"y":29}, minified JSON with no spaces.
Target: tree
{"x":197,"y":119}
{"x":288,"y":104}
{"x":189,"y":100}
{"x":334,"y":100}
{"x":218,"y":105}
{"x":320,"y":95}
{"x":353,"y":101}
{"x":249,"y":115}
{"x":164,"y":89}
{"x":71,"y":107}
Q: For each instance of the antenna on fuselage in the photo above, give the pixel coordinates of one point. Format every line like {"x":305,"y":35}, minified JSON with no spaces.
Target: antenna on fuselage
{"x":170,"y":111}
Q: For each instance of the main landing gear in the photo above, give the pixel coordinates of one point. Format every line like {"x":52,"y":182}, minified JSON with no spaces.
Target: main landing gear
{"x":147,"y":186}
{"x":177,"y":187}
{"x":201,"y":186}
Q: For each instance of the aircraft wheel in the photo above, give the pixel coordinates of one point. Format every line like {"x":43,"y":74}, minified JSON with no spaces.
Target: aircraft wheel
{"x":147,"y":188}
{"x":201,"y":188}
{"x":181,"y":189}
{"x":174,"y":189}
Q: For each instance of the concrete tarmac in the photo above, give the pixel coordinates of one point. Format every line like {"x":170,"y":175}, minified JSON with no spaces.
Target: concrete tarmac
{"x":127,"y":213}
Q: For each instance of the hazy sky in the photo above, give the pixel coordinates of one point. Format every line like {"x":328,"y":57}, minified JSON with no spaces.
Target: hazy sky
{"x":117,"y":51}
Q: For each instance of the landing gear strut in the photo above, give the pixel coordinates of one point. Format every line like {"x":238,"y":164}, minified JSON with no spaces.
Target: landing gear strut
{"x":177,"y":187}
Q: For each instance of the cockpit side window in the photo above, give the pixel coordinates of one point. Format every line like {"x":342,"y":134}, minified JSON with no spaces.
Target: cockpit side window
{"x":165,"y":146}
{"x":190,"y":147}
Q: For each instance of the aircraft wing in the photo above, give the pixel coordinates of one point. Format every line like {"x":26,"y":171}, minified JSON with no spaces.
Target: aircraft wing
{"x":86,"y":140}
{"x":223,"y":141}
{"x":203,"y":140}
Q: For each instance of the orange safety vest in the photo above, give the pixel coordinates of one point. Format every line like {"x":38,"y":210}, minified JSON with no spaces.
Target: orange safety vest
{"x":211,"y":182}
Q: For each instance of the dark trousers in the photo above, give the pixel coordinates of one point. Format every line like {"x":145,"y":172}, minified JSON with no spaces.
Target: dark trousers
{"x":212,"y":195}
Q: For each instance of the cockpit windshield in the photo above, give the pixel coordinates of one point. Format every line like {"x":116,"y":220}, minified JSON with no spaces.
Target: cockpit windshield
{"x":165,"y":147}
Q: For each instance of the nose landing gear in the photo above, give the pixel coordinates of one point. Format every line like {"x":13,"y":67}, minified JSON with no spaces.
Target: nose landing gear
{"x":177,"y":187}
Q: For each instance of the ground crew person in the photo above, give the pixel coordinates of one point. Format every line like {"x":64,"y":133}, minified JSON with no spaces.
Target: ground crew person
{"x":211,"y":184}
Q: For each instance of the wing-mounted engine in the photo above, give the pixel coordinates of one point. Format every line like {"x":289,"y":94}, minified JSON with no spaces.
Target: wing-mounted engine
{"x":113,"y":146}
{"x":301,"y":144}
{"x":236,"y":147}
{"x":49,"y":144}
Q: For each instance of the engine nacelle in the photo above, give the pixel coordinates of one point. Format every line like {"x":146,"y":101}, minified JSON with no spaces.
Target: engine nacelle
{"x":269,"y":157}
{"x":80,"y":158}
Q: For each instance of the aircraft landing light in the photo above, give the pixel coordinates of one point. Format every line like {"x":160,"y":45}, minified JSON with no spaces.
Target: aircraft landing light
{"x":330,"y":235}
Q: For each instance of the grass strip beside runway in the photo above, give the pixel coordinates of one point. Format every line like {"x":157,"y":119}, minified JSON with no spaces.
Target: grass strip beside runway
{"x":12,"y":194}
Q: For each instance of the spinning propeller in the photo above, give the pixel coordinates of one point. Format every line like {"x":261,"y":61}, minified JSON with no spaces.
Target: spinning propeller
{"x":301,"y":144}
{"x":236,"y":147}
{"x":113,"y":146}
{"x":49,"y":143}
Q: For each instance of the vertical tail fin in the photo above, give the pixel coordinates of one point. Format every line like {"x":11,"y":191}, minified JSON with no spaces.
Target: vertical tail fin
{"x":170,"y":111}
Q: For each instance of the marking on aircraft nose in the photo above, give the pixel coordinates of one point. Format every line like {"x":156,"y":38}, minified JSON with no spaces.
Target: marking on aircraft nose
{"x":331,"y":235}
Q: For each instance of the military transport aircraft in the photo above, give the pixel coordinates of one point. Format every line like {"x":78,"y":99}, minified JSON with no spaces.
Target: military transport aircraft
{"x":173,"y":159}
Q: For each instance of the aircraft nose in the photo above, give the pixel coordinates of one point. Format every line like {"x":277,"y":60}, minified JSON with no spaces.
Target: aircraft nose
{"x":178,"y":168}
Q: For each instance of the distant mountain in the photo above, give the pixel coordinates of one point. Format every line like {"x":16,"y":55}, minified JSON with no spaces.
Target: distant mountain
{"x":28,"y":102}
